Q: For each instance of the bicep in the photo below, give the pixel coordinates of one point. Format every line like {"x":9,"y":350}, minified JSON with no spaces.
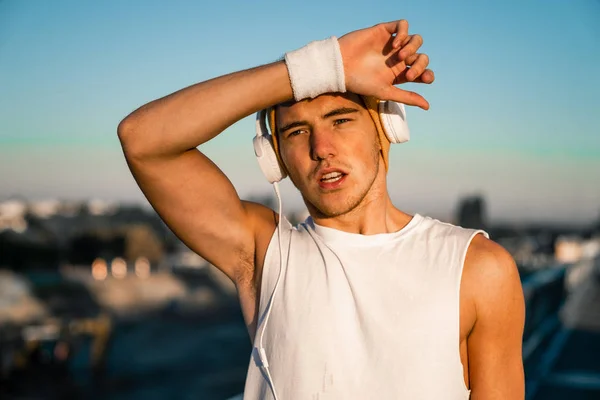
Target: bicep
{"x":495,"y":342}
{"x":200,"y":205}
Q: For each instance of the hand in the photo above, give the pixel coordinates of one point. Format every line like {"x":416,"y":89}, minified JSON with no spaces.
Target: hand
{"x":377,"y":58}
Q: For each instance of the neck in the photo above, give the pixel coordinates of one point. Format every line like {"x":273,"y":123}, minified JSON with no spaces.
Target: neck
{"x":374,"y":214}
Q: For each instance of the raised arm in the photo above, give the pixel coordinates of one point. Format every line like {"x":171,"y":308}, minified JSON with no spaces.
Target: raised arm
{"x":191,"y":194}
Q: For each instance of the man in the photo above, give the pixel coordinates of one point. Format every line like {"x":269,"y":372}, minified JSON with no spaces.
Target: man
{"x":373,"y":303}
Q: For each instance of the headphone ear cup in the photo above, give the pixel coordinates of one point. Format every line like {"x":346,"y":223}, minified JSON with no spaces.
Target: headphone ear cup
{"x":267,"y":160}
{"x":393,"y":120}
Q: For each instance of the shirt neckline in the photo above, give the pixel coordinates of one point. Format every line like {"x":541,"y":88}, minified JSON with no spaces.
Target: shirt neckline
{"x":332,"y":235}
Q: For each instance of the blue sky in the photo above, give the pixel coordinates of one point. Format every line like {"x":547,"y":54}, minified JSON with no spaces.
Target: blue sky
{"x":514,"y":110}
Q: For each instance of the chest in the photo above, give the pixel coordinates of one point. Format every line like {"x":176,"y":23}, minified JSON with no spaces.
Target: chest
{"x":388,"y":290}
{"x":337,"y":316}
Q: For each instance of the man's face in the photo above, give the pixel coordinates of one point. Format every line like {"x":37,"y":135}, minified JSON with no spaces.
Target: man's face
{"x":331,"y":150}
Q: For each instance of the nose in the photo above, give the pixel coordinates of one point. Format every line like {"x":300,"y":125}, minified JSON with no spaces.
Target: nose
{"x":322,"y":144}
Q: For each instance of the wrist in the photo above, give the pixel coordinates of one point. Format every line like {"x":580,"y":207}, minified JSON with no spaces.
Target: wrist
{"x":316,"y":68}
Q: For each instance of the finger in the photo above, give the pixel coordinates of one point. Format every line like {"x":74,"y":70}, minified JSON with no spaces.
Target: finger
{"x":410,"y":60}
{"x":418,"y":67}
{"x":426,"y":77}
{"x":405,"y":41}
{"x":399,"y":28}
{"x":417,"y":63}
{"x":404,"y":96}
{"x":411,"y":47}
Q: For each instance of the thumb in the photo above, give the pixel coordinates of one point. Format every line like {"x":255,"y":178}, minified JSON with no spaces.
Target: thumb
{"x":404,"y":96}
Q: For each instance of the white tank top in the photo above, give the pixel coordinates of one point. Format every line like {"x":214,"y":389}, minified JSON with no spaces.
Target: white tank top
{"x":362,"y":316}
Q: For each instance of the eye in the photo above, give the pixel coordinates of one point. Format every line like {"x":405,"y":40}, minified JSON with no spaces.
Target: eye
{"x":340,"y":121}
{"x":295,"y":133}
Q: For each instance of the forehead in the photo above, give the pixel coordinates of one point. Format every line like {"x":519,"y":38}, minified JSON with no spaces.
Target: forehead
{"x":310,"y":108}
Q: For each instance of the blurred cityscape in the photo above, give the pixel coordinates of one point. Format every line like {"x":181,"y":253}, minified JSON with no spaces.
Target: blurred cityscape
{"x":100,"y":300}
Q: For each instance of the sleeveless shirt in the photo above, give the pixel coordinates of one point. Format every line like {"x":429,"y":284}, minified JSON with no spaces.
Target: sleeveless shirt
{"x":362,"y":316}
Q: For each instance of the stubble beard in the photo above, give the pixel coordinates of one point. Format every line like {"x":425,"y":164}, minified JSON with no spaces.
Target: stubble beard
{"x":351,"y":202}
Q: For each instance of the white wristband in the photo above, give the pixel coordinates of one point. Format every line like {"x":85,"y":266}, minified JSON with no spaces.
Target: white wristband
{"x":316,"y":68}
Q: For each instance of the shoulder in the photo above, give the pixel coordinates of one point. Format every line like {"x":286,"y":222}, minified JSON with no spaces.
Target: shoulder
{"x":441,"y":228}
{"x":489,"y":261}
{"x":491,"y":279}
{"x":448,"y":233}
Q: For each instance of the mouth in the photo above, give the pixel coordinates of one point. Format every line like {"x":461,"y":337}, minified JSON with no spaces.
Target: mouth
{"x":331,"y":178}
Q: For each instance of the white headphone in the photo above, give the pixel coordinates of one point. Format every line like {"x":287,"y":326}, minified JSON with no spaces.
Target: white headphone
{"x":391,"y":114}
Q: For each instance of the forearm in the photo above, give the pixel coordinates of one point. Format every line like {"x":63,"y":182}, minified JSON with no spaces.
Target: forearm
{"x":189,"y":117}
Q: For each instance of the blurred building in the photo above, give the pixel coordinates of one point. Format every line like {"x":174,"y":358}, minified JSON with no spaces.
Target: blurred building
{"x":18,"y":305}
{"x":44,"y":234}
{"x":130,"y":241}
{"x":568,"y":249}
{"x":472,"y":213}
{"x":572,"y":249}
{"x":12,"y":216}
